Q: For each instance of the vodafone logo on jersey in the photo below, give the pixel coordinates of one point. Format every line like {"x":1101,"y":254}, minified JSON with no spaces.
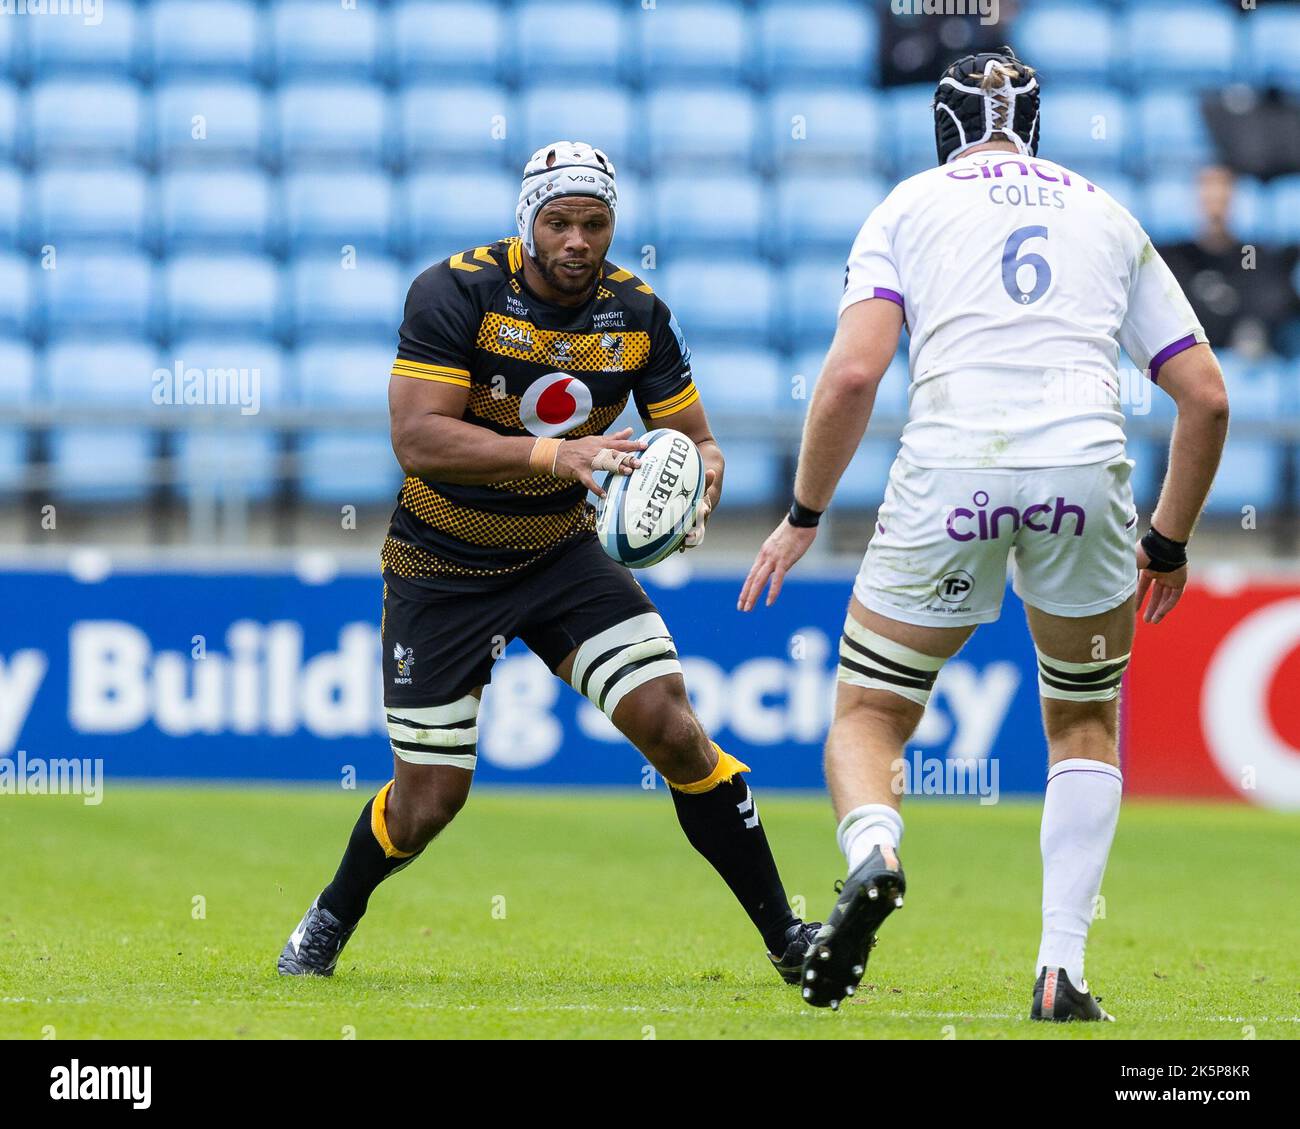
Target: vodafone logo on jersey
{"x":554,"y":404}
{"x":1213,"y":698}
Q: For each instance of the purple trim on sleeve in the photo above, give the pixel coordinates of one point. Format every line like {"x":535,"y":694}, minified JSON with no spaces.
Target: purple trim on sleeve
{"x":1170,"y":351}
{"x":892,"y":295}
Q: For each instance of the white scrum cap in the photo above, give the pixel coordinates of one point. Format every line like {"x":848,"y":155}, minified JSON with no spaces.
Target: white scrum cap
{"x":563,"y":168}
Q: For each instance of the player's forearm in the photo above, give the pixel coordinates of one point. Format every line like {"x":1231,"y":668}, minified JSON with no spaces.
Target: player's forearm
{"x":711,"y":455}
{"x":452,"y":450}
{"x":837,"y":419}
{"x":1199,"y":433}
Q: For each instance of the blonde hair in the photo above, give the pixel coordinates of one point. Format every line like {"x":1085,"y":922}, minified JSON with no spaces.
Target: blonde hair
{"x":991,"y":82}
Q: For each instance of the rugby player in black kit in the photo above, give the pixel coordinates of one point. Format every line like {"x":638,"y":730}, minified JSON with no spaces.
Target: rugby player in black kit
{"x":514,"y":357}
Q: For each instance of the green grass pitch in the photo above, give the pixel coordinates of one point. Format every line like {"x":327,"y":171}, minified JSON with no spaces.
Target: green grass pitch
{"x":556,"y":914}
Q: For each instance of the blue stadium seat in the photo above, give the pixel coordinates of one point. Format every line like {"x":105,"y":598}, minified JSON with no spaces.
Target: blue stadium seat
{"x":17,"y":372}
{"x":13,"y":49}
{"x":356,"y":468}
{"x":16,"y":284}
{"x":719,"y":213}
{"x":1124,"y":190}
{"x":334,"y":209}
{"x":1066,"y":41}
{"x":813,"y":287}
{"x":13,"y":210}
{"x":838,"y":126}
{"x":574,"y":38}
{"x":1284,"y":210}
{"x":700,"y":125}
{"x":207,"y":37}
{"x":441,"y":121}
{"x":1169,"y":210}
{"x":366,"y":299}
{"x":87,"y":119}
{"x":13,"y":457}
{"x":729,"y":299}
{"x":634,"y":227}
{"x":755,"y":474}
{"x":100,"y":464}
{"x":327,"y":122}
{"x":1250,"y":209}
{"x":820,"y":213}
{"x":93,"y":290}
{"x":740,"y":380}
{"x":71,"y":43}
{"x":1250,"y":474}
{"x":221,"y":294}
{"x":437,"y":39}
{"x":862,"y":485}
{"x":1256,"y":389}
{"x":75,"y":204}
{"x":449,"y":212}
{"x":703,"y":40}
{"x":1271,"y":37}
{"x":120,"y":372}
{"x":330,"y":40}
{"x":352,"y":374}
{"x":222,"y":208}
{"x":1087,"y":128}
{"x":225,"y":461}
{"x":603,"y":116}
{"x":1194,"y":43}
{"x":1172,"y":131}
{"x":13,"y":125}
{"x":911,"y":119}
{"x":816,"y":42}
{"x":209,"y":122}
{"x":268,"y":373}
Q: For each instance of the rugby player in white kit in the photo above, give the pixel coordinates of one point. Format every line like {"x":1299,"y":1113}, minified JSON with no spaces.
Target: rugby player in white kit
{"x":1018,"y":281}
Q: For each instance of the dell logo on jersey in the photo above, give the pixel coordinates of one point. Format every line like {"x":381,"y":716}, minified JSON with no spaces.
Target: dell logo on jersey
{"x":988,"y":526}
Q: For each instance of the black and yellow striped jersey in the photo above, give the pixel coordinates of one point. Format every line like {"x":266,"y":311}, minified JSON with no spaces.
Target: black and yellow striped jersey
{"x":531,"y":368}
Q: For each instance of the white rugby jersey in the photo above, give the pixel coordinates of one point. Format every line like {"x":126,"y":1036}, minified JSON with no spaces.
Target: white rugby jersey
{"x":1019,"y":280}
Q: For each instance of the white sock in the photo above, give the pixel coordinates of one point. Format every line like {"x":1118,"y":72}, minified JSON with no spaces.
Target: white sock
{"x":1080,"y":811}
{"x":868,"y":827}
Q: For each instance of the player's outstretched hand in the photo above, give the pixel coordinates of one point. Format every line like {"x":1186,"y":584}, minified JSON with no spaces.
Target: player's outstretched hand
{"x":778,"y":556}
{"x":1166,"y":588}
{"x":696,"y":535}
{"x":584,"y":458}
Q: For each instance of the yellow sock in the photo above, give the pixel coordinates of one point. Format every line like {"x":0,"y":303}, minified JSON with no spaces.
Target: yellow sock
{"x":379,"y":826}
{"x":724,"y":770}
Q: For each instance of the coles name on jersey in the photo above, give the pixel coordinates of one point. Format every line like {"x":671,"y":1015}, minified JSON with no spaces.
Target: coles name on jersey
{"x":1019,"y":281}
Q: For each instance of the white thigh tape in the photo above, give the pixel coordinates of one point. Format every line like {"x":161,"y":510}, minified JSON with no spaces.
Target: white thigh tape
{"x":436,"y":734}
{"x":876,"y":663}
{"x":611,"y":665}
{"x":1080,"y":682}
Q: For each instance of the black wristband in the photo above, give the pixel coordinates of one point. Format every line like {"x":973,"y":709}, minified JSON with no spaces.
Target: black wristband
{"x":802,"y":517}
{"x":1163,"y":553}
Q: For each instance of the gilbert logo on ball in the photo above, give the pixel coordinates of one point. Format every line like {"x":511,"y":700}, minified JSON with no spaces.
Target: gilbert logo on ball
{"x":554,"y":404}
{"x":646,"y":515}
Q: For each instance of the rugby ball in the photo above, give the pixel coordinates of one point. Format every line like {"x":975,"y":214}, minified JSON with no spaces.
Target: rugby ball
{"x":646,"y":515}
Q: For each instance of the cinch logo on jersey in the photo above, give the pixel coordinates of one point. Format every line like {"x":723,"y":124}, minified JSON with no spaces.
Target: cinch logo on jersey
{"x":663,"y":491}
{"x":988,"y":526}
{"x":555,"y":404}
{"x":1018,"y":195}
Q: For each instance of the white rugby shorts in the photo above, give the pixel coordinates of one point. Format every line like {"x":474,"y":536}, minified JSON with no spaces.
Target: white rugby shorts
{"x":943,"y":538}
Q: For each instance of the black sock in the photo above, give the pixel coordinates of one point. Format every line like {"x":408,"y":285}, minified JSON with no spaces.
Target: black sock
{"x":364,"y":866}
{"x":722,"y":824}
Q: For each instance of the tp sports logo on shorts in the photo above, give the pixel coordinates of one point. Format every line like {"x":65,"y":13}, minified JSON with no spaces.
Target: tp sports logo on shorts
{"x":979,"y":524}
{"x":554,"y":404}
{"x":955,"y":586}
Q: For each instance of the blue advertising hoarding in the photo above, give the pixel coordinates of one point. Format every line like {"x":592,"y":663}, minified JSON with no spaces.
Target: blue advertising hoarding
{"x":257,"y":675}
